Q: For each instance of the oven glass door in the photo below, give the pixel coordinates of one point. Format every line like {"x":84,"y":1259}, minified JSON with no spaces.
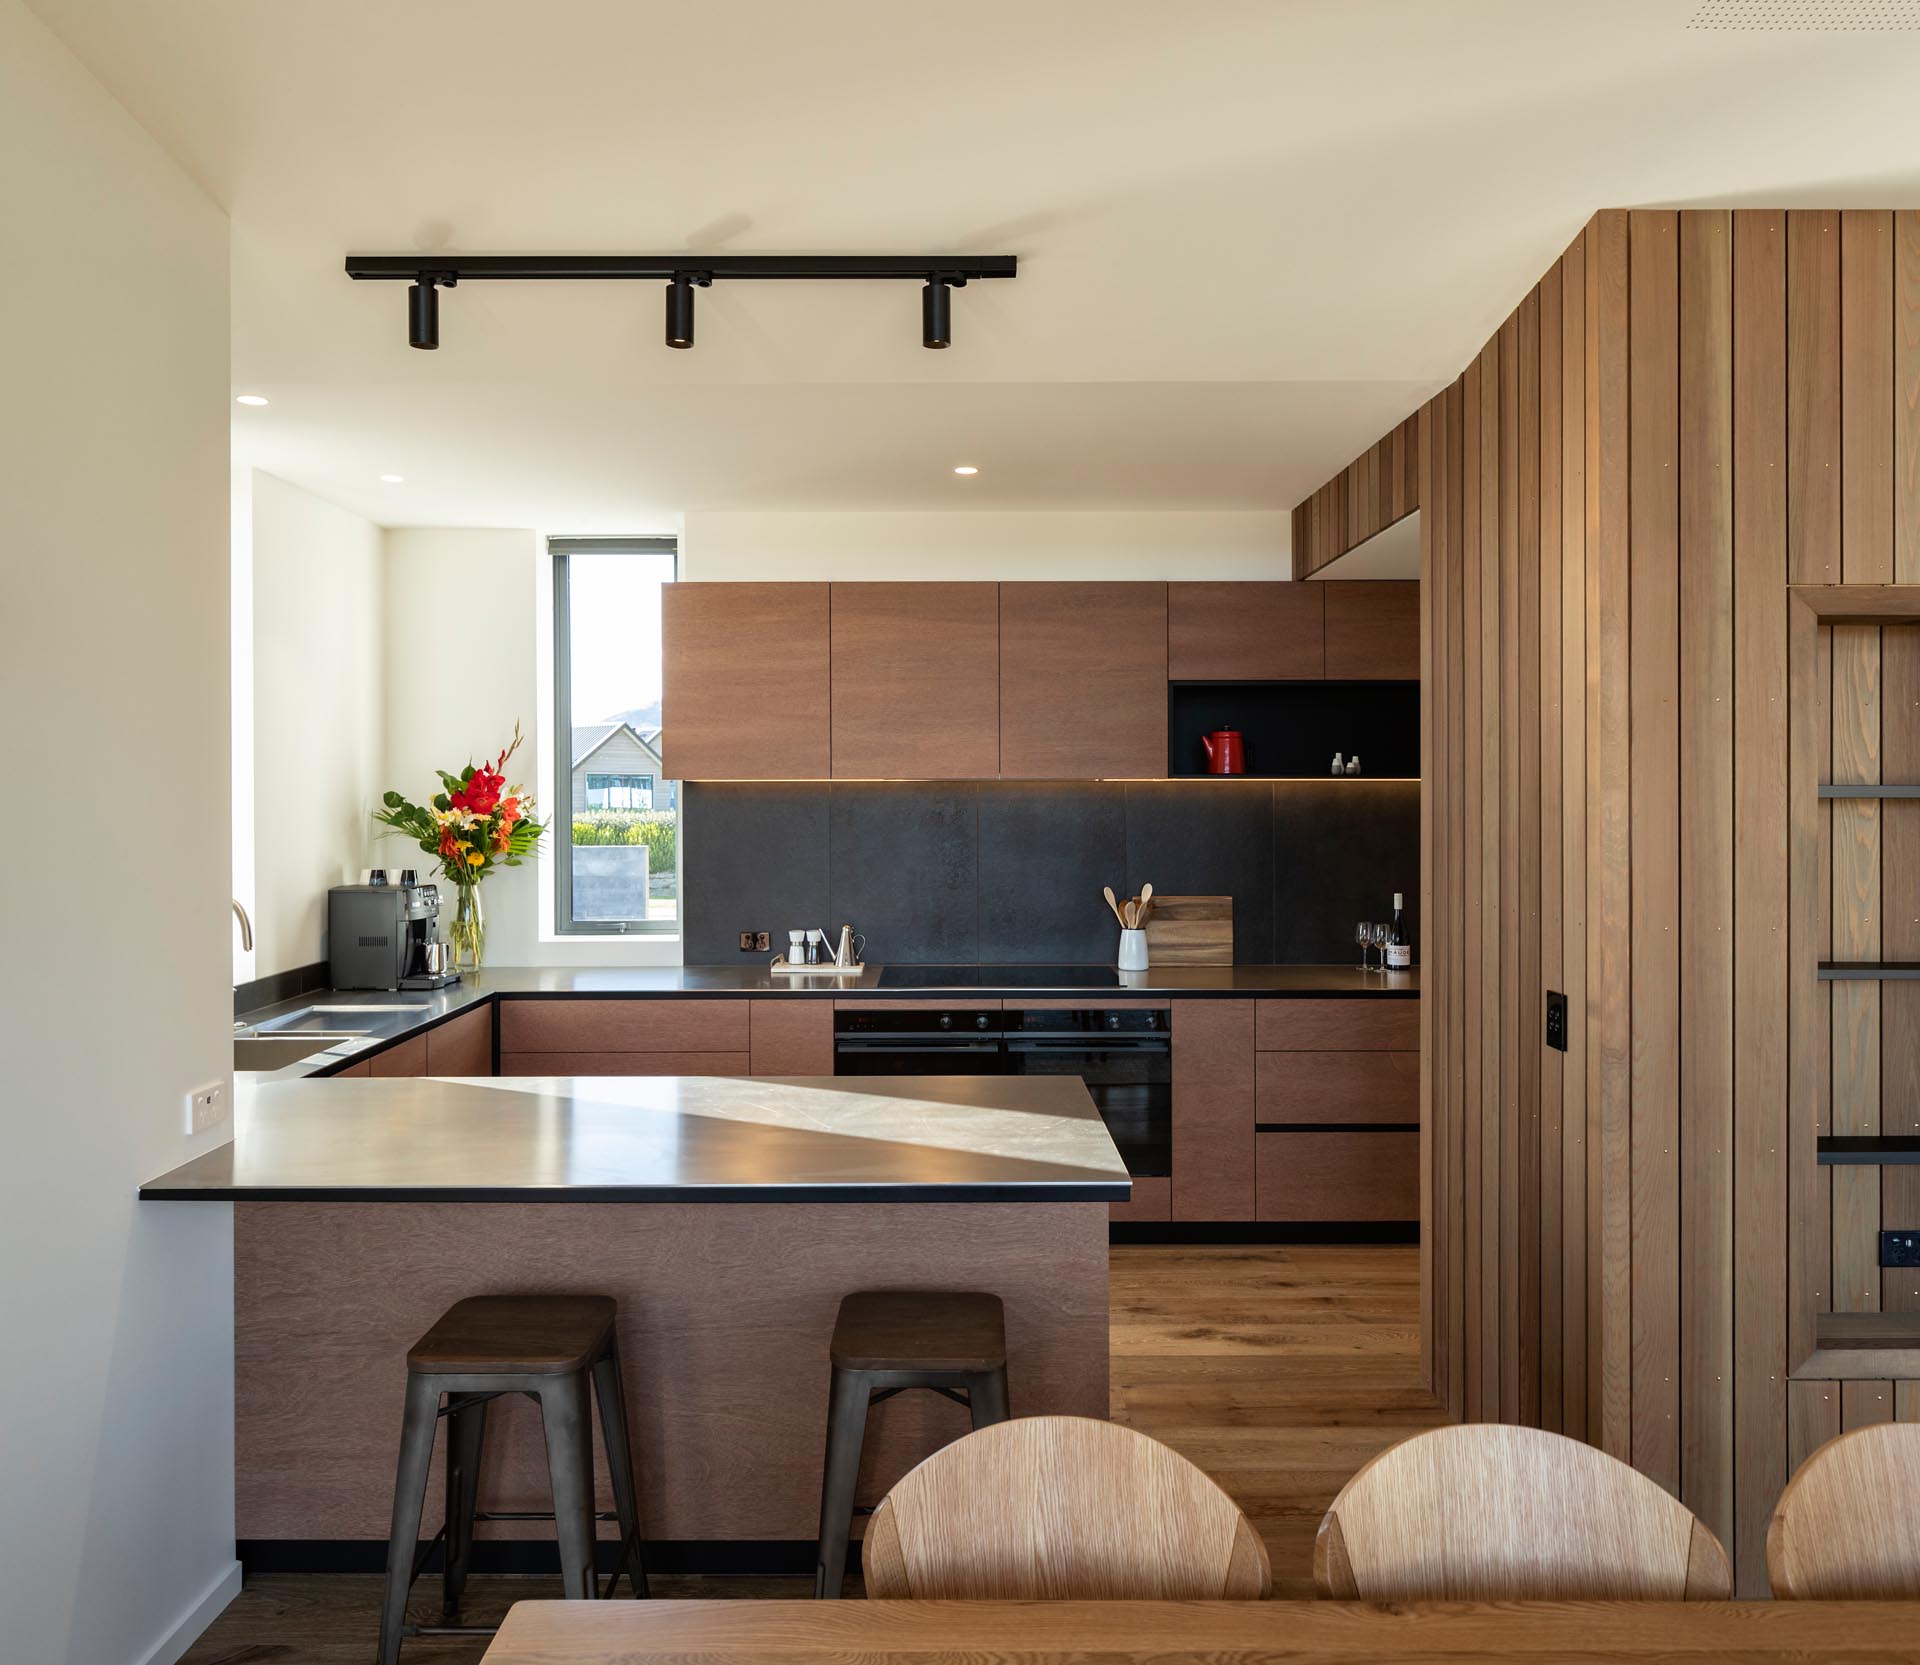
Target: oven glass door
{"x":1131,"y":1083}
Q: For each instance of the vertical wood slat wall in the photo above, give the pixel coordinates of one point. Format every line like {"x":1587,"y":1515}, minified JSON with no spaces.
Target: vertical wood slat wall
{"x":1691,"y":411}
{"x":1377,"y":488}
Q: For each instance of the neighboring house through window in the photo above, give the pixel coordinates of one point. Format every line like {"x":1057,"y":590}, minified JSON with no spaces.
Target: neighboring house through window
{"x":617,"y":849}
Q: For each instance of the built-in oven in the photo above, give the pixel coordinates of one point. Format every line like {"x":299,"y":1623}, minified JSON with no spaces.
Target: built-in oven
{"x":930,"y":1040}
{"x":1124,"y":1054}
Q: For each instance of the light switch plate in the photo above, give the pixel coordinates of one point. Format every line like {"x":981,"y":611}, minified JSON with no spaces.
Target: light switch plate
{"x":206,"y":1107}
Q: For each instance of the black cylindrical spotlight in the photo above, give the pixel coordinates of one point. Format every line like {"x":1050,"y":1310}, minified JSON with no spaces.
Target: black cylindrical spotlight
{"x":936,"y":313}
{"x":423,"y":315}
{"x":680,"y":311}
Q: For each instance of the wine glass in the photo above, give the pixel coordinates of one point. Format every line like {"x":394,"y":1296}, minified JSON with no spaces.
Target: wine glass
{"x":1363,"y":937}
{"x":1382,"y":934}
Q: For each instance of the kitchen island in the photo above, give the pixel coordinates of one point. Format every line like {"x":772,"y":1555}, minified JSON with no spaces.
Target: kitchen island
{"x":726,"y":1215}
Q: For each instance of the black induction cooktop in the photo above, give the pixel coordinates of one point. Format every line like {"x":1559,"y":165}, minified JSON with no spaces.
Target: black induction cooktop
{"x":999,"y":977}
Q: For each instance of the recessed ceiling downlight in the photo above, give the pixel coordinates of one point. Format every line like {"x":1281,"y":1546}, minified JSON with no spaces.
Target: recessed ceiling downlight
{"x":251,"y":399}
{"x":393,"y":479}
{"x":966,"y":468}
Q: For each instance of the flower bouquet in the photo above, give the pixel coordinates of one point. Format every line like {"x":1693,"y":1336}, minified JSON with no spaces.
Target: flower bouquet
{"x":475,"y":823}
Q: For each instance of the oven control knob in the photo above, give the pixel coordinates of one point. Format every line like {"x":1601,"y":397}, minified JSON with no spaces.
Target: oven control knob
{"x":1113,"y":1020}
{"x":946,"y":1020}
{"x":981,"y":1021}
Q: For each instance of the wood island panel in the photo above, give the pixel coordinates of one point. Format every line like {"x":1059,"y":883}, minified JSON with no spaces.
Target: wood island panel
{"x":766,"y":644}
{"x":725,"y":1315}
{"x":916,"y":681}
{"x":790,"y":1037}
{"x":1083,"y":681}
{"x":690,"y":1024}
{"x":462,"y":1045}
{"x":1257,"y":632}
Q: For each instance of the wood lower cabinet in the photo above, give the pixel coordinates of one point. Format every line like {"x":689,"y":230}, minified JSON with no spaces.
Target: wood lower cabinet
{"x":790,"y":1037}
{"x":916,"y":681}
{"x":462,"y":1045}
{"x":1338,"y":1087}
{"x":408,"y":1057}
{"x":624,"y":1063}
{"x":1083,"y":681}
{"x":691,"y":1023}
{"x":1370,"y":1024}
{"x":746,"y":682}
{"x":1373,"y":629}
{"x":1246,"y":632}
{"x":1152,"y":1201}
{"x":1339,"y":1175}
{"x":692,"y":1035}
{"x":1213,"y":1110}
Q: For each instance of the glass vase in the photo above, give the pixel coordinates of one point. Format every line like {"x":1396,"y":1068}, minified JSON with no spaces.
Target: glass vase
{"x":468,"y":931}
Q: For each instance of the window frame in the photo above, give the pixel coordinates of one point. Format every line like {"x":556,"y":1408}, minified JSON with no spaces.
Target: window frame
{"x":564,"y":924}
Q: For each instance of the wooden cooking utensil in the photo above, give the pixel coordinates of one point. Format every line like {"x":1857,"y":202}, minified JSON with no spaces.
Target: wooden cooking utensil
{"x":1107,"y":892}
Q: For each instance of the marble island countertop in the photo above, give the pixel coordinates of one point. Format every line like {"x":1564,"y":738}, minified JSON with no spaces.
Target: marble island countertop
{"x":659,"y":1139}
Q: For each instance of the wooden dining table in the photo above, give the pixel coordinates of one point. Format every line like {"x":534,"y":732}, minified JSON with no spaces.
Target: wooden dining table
{"x":1218,"y":1633}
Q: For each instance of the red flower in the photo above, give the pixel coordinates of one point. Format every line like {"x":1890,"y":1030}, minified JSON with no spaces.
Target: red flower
{"x":482,"y":792}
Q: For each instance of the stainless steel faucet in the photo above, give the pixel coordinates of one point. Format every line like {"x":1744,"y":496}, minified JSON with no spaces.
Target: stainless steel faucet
{"x":246,"y":926}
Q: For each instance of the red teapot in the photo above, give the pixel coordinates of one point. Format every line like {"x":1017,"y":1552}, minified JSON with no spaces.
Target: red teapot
{"x":1225,"y":753}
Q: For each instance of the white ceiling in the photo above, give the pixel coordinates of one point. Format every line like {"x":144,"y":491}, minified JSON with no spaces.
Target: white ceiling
{"x":1252,"y":233}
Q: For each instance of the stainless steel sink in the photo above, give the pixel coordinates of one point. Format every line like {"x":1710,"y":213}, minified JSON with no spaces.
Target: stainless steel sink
{"x":331,"y":1018}
{"x":273,"y":1052}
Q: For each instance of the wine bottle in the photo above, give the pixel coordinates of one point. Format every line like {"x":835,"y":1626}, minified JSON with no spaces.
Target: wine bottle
{"x":1399,"y":947}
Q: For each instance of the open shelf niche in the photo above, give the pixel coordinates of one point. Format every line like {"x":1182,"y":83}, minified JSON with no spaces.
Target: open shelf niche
{"x":1292,"y":729}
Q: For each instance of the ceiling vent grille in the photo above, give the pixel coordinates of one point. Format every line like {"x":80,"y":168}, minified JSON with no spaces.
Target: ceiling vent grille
{"x":1807,"y":16}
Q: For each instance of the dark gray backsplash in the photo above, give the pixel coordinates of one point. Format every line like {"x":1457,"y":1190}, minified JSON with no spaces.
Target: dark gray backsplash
{"x":1009,"y":873}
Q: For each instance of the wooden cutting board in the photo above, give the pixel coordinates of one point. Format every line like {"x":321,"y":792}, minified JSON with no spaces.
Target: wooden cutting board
{"x":1190,"y":930}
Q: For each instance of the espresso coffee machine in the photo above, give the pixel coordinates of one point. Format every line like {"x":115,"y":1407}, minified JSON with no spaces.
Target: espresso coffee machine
{"x":387,"y":937}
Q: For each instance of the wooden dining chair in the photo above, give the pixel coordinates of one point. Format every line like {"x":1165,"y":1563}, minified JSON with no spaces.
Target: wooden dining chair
{"x":1061,"y":1508}
{"x":1847,"y":1528}
{"x":1480,"y":1512}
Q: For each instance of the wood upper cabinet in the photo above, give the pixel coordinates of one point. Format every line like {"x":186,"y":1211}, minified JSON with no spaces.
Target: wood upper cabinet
{"x":1252,"y":632}
{"x":1373,"y":629}
{"x":916,"y":681}
{"x":1083,"y":681}
{"x":746,"y":683}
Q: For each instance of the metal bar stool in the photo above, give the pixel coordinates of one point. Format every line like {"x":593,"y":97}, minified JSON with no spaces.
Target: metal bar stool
{"x":884,"y":1341}
{"x":558,"y":1350}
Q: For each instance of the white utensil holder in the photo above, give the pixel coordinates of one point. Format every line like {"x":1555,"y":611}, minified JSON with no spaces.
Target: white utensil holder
{"x":1133,"y":951}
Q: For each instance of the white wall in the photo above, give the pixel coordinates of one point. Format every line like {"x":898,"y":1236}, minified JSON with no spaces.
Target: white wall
{"x":987,"y":544}
{"x":116,"y":1384}
{"x":319,"y":713}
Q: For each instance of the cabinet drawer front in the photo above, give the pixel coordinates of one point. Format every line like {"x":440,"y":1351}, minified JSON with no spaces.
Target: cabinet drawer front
{"x":1339,"y":1026}
{"x":1338,"y":1086}
{"x":691,"y":1025}
{"x":1152,"y":1199}
{"x":623,"y":1063}
{"x":1338,"y":1176}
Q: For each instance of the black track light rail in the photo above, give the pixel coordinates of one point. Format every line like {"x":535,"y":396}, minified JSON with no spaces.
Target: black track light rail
{"x":472,"y":268}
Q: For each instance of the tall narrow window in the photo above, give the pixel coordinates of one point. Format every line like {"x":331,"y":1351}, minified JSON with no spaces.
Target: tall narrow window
{"x":617,"y":829}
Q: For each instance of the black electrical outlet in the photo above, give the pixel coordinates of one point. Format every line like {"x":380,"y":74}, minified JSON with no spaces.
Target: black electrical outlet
{"x":1900,"y":1248}
{"x":1556,"y":1021}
